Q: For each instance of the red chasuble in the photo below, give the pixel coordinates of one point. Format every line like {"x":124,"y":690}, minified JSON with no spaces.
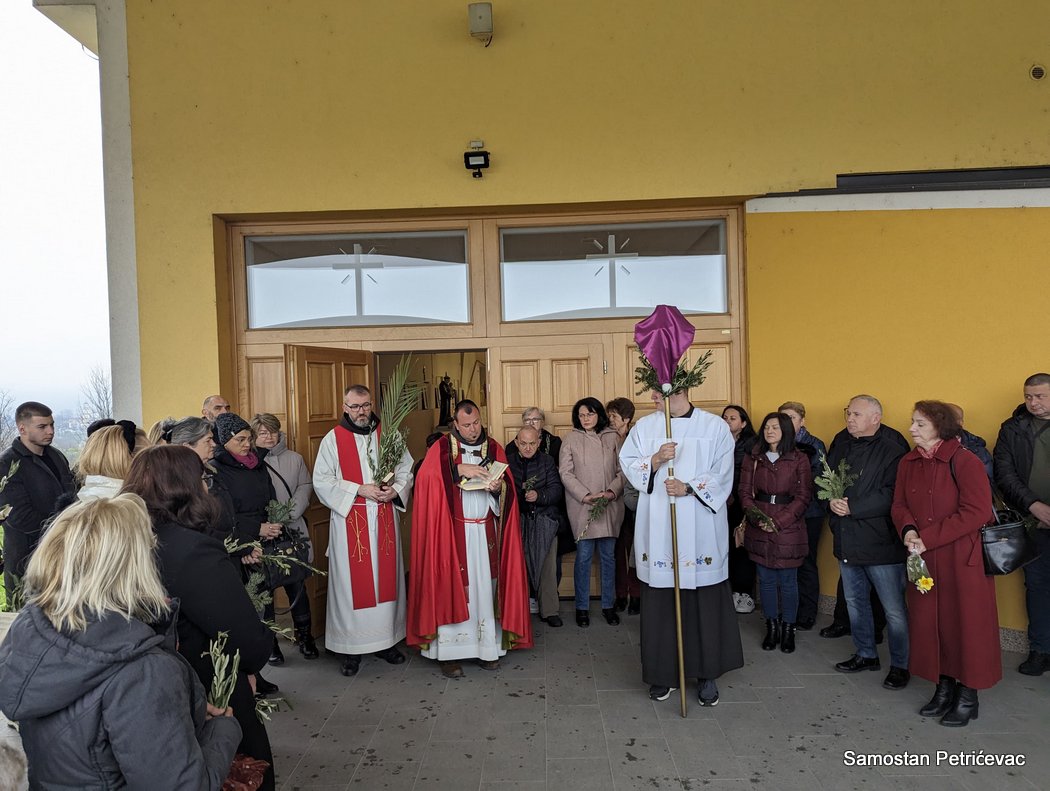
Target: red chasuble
{"x":438,"y":582}
{"x":362,"y":581}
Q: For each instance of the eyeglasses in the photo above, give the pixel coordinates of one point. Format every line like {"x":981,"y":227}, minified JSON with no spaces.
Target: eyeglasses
{"x":264,"y":432}
{"x":358,"y":407}
{"x":532,"y":420}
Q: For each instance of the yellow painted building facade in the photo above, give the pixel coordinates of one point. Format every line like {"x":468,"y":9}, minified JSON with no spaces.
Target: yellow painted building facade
{"x":333,"y":110}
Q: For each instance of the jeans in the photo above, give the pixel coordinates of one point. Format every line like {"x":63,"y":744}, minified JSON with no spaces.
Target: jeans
{"x":582,"y":571}
{"x":889,"y":581}
{"x":769,"y":580}
{"x":1037,"y":595}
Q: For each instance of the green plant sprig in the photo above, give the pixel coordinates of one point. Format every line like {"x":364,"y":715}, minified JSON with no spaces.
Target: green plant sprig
{"x":224,"y":677}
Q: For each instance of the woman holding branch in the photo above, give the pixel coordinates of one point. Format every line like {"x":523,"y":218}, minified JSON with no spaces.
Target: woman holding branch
{"x":197,"y":571}
{"x":590,"y":472}
{"x":89,"y":668}
{"x":776,"y":486}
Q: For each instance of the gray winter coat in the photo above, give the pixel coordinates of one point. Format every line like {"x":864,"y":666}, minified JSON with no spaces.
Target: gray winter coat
{"x":111,"y":707}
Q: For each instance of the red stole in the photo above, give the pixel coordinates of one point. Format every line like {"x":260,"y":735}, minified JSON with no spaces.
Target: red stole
{"x":362,"y":582}
{"x":438,"y":581}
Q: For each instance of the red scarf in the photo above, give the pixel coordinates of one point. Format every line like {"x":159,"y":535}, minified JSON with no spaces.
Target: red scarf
{"x":362,"y":581}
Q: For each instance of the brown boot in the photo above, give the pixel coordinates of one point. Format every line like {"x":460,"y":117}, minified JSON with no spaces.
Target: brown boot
{"x":451,"y":669}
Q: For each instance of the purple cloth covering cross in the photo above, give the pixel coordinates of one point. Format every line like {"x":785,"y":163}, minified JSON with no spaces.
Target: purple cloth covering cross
{"x":663,"y":338}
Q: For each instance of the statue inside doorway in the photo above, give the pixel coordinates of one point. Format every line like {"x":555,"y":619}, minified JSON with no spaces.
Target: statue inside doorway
{"x":447,"y":399}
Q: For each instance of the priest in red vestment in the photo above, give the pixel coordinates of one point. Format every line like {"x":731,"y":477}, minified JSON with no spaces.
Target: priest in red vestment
{"x":468,"y":592}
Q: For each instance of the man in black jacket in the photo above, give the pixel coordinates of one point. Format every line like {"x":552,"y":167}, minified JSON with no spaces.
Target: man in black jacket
{"x":540,"y":494}
{"x":1022,"y":473}
{"x":32,"y":492}
{"x":869,"y":551}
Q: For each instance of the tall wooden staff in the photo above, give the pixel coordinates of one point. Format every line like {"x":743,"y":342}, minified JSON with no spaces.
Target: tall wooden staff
{"x":663,"y":338}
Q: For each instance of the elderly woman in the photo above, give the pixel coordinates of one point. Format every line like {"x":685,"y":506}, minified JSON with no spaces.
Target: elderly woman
{"x":292,"y":481}
{"x":590,"y":472}
{"x":197,"y":570}
{"x":741,"y":567}
{"x":628,"y":592}
{"x":104,"y":462}
{"x":776,"y":479}
{"x":940,"y":502}
{"x":89,"y":668}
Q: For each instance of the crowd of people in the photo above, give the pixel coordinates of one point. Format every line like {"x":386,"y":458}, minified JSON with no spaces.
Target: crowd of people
{"x":129,"y":565}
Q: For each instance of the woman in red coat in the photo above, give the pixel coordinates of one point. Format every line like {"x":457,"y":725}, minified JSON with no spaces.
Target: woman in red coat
{"x":941,"y":500}
{"x":777,"y":479}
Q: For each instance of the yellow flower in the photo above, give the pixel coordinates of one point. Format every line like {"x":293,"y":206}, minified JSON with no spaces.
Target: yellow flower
{"x":924,"y":584}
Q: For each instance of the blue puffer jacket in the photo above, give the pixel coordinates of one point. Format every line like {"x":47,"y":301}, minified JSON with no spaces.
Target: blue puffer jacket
{"x":111,"y":707}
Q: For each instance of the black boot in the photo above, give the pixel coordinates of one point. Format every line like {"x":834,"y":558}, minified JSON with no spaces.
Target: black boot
{"x":787,"y":638}
{"x":276,"y":655}
{"x":772,"y":638}
{"x":307,"y":646}
{"x":942,"y":698}
{"x":964,"y":708}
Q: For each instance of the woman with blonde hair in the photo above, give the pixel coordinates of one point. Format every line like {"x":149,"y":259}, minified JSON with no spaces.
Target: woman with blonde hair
{"x":89,"y":668}
{"x":103,"y":464}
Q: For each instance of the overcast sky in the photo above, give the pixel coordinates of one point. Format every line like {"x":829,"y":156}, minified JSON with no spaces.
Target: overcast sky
{"x":54,"y":312}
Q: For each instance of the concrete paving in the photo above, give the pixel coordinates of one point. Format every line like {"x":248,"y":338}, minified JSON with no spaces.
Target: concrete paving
{"x":573,"y":713}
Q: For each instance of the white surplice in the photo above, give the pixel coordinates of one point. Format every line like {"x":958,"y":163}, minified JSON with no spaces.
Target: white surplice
{"x":704,"y":459}
{"x":480,"y":636}
{"x":350,"y":631}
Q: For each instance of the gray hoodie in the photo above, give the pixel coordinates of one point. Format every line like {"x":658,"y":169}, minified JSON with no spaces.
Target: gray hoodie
{"x":111,"y":707}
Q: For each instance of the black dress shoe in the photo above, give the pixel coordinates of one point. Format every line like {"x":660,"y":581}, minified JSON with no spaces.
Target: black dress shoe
{"x":835,"y":630}
{"x":264,"y":687}
{"x":805,"y":624}
{"x":307,"y":646}
{"x":897,"y":678}
{"x":635,"y":606}
{"x":351,"y":663}
{"x":611,"y":617}
{"x":856,"y":663}
{"x":620,"y":604}
{"x":583,"y":618}
{"x":553,"y":620}
{"x":391,"y":655}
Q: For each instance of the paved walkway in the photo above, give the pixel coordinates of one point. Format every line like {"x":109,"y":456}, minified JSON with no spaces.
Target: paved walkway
{"x":573,"y":714}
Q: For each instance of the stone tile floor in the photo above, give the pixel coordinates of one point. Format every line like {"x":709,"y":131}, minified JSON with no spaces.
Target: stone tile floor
{"x":573,"y":713}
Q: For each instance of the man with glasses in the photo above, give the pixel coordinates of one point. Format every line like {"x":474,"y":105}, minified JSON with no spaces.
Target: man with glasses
{"x":533,"y":417}
{"x":366,"y":573}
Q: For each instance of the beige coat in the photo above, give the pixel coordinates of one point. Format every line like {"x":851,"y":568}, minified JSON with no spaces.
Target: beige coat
{"x":589,"y":464}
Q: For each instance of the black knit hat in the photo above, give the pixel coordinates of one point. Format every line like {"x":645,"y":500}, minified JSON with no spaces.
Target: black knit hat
{"x":226,"y":425}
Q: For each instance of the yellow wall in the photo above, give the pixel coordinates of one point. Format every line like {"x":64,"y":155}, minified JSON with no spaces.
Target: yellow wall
{"x":903,"y":305}
{"x":243,"y":106}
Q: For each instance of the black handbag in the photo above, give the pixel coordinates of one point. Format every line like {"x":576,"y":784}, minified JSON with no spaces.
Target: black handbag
{"x":1006,"y":544}
{"x":290,"y":544}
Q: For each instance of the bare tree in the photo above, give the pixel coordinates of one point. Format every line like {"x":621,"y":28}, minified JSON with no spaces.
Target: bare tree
{"x":8,"y":429}
{"x":97,"y":396}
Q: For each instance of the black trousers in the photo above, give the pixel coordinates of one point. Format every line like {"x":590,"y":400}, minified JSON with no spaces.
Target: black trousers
{"x":300,"y":601}
{"x":808,"y":577}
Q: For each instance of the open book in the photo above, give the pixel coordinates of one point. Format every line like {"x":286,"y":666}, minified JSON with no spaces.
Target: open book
{"x":496,"y":469}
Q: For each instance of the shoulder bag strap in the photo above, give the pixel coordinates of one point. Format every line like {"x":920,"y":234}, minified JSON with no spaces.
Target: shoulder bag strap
{"x":286,"y":486}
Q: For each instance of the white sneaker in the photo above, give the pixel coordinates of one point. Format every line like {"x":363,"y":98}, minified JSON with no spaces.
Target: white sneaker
{"x":534,"y":606}
{"x":736,"y":602}
{"x":745,"y":603}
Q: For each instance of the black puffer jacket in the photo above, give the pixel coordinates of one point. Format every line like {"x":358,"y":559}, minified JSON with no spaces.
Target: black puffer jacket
{"x":1012,"y":459}
{"x":867,"y":536}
